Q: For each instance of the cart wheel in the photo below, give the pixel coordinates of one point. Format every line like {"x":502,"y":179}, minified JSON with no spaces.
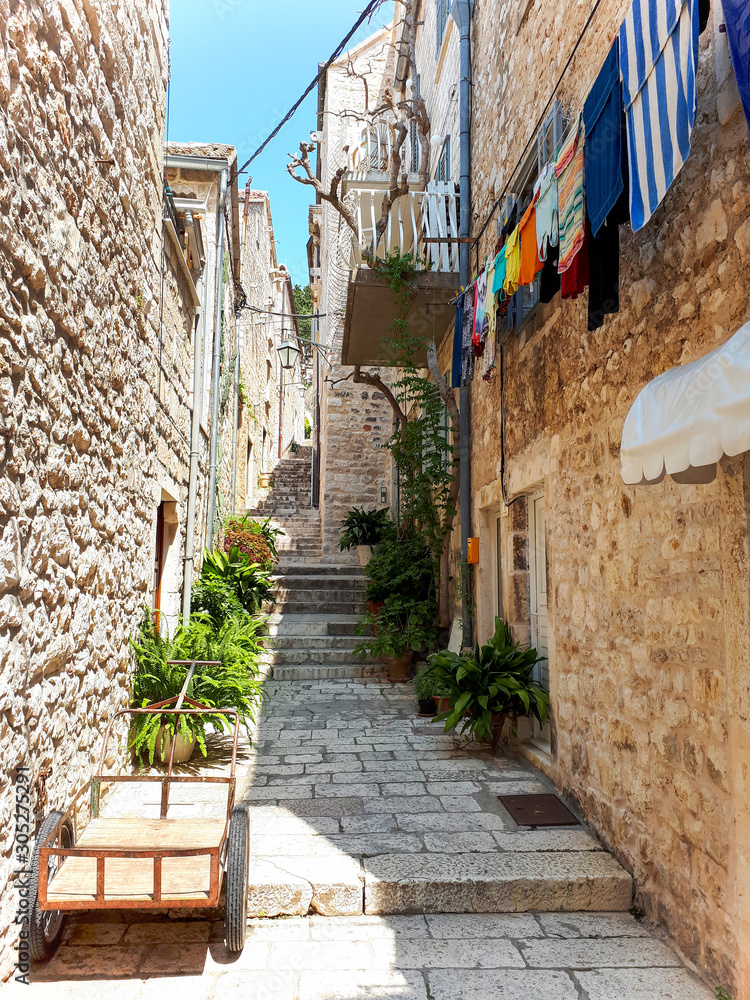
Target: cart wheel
{"x":238,"y":863}
{"x":46,"y":926}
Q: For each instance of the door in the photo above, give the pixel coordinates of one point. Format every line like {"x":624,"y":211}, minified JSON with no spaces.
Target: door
{"x":538,"y":602}
{"x":159,"y":560}
{"x":499,"y":565}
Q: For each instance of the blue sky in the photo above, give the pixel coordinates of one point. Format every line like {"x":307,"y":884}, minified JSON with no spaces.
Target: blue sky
{"x":237,"y":68}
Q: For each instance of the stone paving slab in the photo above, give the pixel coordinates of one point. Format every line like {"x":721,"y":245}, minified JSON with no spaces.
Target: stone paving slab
{"x":433,"y":957}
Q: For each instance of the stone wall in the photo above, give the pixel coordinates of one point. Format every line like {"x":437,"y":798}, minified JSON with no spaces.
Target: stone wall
{"x":268,"y":288}
{"x":93,"y":383}
{"x":356,"y":420}
{"x":648,"y":586}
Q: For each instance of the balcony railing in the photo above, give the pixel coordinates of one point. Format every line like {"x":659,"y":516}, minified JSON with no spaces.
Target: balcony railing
{"x":414,"y":222}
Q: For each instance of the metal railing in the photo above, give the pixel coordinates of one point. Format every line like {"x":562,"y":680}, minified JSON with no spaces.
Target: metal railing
{"x":424,"y":223}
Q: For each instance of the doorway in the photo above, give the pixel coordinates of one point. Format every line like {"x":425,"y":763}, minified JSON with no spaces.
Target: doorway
{"x":159,"y":565}
{"x":538,"y":604}
{"x":249,"y":475}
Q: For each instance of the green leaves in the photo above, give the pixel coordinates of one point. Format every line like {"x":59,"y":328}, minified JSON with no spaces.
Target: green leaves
{"x":400,"y":625}
{"x":364,"y":527}
{"x":250,"y":582}
{"x":494,"y":680}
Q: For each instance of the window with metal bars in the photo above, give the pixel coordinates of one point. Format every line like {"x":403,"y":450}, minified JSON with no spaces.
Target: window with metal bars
{"x":443,"y":171}
{"x":414,"y":133}
{"x":441,"y":22}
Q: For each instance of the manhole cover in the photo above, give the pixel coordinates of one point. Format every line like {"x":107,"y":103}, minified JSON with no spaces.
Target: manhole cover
{"x":538,"y":810}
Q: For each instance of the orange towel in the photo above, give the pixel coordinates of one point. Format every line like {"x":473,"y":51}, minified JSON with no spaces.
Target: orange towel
{"x":530,"y":263}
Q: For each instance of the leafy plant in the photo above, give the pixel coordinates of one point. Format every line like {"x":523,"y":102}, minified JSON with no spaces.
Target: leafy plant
{"x":429,"y":682}
{"x":401,"y":565}
{"x":233,"y":683}
{"x":496,"y":679}
{"x":242,"y":392}
{"x":216,"y":598}
{"x":721,"y":994}
{"x":402,"y":624}
{"x":250,"y":543}
{"x":308,"y":429}
{"x":364,"y":527}
{"x":263,"y":528}
{"x":249,"y":581}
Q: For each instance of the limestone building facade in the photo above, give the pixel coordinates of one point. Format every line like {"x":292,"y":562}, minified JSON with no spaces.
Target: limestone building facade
{"x":637,"y":595}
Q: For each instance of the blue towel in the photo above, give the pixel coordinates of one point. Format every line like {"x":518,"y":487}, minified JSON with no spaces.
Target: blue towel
{"x":737,"y":20}
{"x":602,"y":119}
{"x":458,"y":335}
{"x":659,"y":59}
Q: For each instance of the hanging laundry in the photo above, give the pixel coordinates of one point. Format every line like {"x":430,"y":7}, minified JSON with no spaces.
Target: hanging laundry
{"x":467,"y":349}
{"x":737,"y":21}
{"x":570,"y":195}
{"x":530,"y":263}
{"x":512,"y":262}
{"x":458,"y":332}
{"x":549,"y":283}
{"x":604,"y":273}
{"x":499,"y":274}
{"x":480,"y":310}
{"x":603,"y":119}
{"x":658,"y":60}
{"x":546,"y":211}
{"x":575,"y":279}
{"x":491,"y":303}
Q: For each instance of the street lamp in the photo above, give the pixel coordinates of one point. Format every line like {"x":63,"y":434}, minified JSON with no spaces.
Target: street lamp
{"x":288,"y":353}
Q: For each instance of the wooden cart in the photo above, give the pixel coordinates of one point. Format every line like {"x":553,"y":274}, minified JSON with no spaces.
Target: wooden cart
{"x":136,"y":863}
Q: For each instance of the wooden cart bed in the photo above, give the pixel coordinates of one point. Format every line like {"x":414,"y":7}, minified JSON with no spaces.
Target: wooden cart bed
{"x":130,"y":880}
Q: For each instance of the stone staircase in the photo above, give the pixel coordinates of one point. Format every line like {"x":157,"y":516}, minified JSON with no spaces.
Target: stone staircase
{"x":313,"y":626}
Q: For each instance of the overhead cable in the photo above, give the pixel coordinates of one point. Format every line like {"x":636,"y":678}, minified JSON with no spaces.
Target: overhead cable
{"x":366,"y":14}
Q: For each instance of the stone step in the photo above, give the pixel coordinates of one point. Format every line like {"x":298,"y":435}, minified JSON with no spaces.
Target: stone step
{"x":295,"y":627}
{"x":287,"y":569}
{"x":313,"y":643}
{"x":320,"y":607}
{"x":330,"y":589}
{"x":341,"y":671}
{"x":297,"y":656}
{"x":496,"y":883}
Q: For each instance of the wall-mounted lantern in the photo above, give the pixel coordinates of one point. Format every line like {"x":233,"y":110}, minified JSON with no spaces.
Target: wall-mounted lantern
{"x":288,"y":352}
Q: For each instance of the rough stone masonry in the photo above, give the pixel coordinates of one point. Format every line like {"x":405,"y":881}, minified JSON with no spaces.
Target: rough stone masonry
{"x":82,"y":93}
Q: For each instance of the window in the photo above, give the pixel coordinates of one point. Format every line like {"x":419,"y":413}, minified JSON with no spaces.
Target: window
{"x":526,"y":299}
{"x":443,"y":172}
{"x":441,"y":20}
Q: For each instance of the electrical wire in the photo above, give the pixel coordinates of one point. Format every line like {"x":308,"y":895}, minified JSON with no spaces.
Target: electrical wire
{"x":366,"y":15}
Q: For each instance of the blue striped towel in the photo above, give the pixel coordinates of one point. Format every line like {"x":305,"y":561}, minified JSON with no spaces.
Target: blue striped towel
{"x":658,"y":59}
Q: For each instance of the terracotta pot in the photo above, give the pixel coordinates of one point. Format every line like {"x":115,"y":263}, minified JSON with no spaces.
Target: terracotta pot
{"x":365,"y":554}
{"x":427,"y":708}
{"x":183,"y":749}
{"x":398,"y":667}
{"x":375,"y":606}
{"x":441,"y":704}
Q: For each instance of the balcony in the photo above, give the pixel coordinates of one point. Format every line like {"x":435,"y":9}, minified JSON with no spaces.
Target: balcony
{"x":423,"y":223}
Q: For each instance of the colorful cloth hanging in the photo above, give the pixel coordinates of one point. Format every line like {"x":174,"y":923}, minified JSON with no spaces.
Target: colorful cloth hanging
{"x":603,"y":121}
{"x":658,"y":60}
{"x":570,"y":195}
{"x":512,"y":262}
{"x":480,"y":310}
{"x":546,"y":212}
{"x":737,"y":21}
{"x":530,"y":263}
{"x":467,"y":348}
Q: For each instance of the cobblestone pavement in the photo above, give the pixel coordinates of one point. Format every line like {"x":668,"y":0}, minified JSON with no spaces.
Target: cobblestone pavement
{"x":606,"y":956}
{"x":356,"y":802}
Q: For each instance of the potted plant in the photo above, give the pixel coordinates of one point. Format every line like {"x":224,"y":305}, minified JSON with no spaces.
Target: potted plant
{"x":404,"y":626}
{"x":232,"y":682}
{"x":489,"y":685}
{"x":431,"y":690}
{"x":265,"y":480}
{"x":362,"y":529}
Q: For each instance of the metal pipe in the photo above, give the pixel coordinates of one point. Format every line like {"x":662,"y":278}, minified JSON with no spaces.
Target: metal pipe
{"x":235,"y":424}
{"x":462,"y":12}
{"x":216,"y":365}
{"x":195,"y":442}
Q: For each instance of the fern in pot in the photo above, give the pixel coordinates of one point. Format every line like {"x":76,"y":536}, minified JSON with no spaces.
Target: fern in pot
{"x":490,"y":684}
{"x":232,"y":682}
{"x":362,"y":529}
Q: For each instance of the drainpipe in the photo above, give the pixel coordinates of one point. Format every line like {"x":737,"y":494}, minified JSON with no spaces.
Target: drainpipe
{"x":195,"y":439}
{"x":235,"y":423}
{"x":216,"y":365}
{"x":462,"y":12}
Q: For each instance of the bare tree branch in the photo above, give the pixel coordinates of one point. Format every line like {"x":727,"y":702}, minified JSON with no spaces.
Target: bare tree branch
{"x":332,"y":194}
{"x":373,"y":379}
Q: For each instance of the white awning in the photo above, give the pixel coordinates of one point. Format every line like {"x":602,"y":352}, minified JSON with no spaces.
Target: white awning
{"x":690,"y":416}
